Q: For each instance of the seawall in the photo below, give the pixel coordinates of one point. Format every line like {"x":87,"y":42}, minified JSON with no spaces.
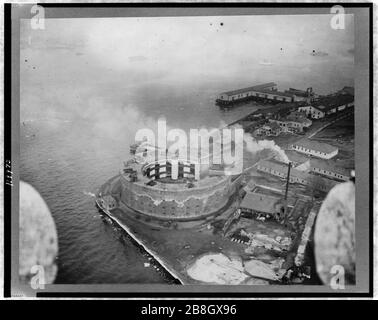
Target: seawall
{"x":140,"y":243}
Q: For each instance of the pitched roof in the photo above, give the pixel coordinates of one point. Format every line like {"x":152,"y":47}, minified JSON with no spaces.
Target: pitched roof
{"x":298,"y":117}
{"x":331,"y":101}
{"x":255,"y":88}
{"x":282,"y":168}
{"x":296,"y":156}
{"x":260,"y":202}
{"x":329,"y":165}
{"x":277,"y":93}
{"x":315,"y":145}
{"x":297,"y":92}
{"x":274,"y":164}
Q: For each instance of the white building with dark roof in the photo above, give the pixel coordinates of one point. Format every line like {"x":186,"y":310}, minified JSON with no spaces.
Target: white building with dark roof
{"x":315,"y":148}
{"x":269,"y":129}
{"x":301,"y":95}
{"x":312,"y":111}
{"x":267,"y":91}
{"x":280,"y":169}
{"x":294,"y":122}
{"x":328,"y":105}
{"x":329,"y":169}
{"x":258,"y":203}
{"x":325,"y":168}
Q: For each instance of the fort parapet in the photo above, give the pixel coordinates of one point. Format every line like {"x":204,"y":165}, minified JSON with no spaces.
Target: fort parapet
{"x":167,"y":199}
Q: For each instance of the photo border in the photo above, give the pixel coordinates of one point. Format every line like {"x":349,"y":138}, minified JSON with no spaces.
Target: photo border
{"x":363,"y":151}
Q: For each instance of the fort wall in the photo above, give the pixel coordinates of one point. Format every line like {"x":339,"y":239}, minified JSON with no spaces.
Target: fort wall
{"x":176,"y":204}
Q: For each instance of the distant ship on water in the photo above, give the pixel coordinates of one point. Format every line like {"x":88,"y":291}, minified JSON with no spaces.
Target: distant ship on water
{"x":266,"y":63}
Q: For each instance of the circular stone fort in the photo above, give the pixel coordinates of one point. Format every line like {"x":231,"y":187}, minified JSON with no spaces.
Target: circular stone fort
{"x":172,"y":189}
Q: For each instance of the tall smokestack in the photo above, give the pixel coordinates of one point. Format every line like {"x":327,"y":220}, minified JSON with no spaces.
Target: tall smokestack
{"x":287,"y":188}
{"x":287,"y":180}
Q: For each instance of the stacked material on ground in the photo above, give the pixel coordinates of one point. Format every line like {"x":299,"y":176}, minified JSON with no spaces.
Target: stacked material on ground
{"x":220,"y":269}
{"x":217,"y":268}
{"x":259,"y":269}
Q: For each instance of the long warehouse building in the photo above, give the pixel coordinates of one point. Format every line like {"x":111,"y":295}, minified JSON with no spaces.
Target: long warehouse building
{"x":263,"y":92}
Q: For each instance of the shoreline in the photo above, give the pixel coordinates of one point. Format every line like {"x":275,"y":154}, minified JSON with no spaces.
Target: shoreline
{"x":153,"y":254}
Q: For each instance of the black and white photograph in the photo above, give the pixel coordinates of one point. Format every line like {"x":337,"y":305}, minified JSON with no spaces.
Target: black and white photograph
{"x":169,"y":148}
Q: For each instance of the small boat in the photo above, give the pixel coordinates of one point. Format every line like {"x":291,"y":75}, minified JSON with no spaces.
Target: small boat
{"x":266,"y":63}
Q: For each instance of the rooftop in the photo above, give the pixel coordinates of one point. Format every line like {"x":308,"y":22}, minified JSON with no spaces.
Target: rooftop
{"x":296,"y":156}
{"x":308,"y":177}
{"x":298,"y":116}
{"x":278,"y":93}
{"x":297,"y":92}
{"x":329,"y":165}
{"x":283,"y":168}
{"x":315,"y":145}
{"x":329,"y":102}
{"x":260,"y":202}
{"x":257,"y":87}
{"x":284,"y":107}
